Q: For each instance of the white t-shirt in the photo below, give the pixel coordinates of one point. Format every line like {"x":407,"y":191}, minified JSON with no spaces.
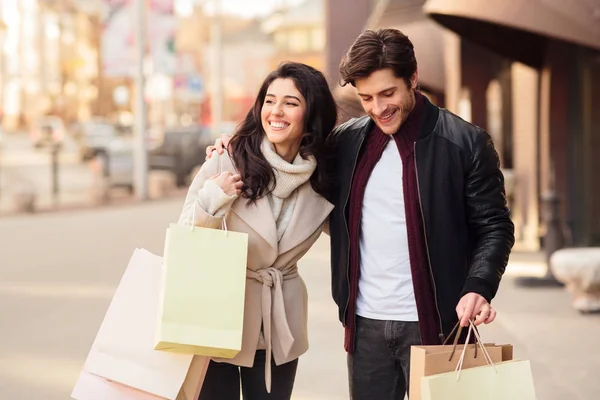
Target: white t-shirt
{"x":385,"y":287}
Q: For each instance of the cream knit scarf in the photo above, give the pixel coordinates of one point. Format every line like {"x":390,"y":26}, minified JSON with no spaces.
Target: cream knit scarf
{"x":288,"y":178}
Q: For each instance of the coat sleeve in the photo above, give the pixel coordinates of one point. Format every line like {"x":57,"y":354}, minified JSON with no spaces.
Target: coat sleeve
{"x":488,"y":218}
{"x":204,"y":204}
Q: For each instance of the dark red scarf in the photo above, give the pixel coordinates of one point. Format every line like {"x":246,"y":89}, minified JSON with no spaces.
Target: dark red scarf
{"x":371,"y":152}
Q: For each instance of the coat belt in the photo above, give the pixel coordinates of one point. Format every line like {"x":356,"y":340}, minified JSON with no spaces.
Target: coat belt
{"x":273,"y":312}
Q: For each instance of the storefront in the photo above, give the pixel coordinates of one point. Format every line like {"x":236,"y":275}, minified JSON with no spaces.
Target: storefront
{"x":555,"y":90}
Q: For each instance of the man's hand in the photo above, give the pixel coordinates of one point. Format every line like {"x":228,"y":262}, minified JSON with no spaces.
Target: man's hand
{"x":474,"y":306}
{"x":230,"y":183}
{"x":220,"y":145}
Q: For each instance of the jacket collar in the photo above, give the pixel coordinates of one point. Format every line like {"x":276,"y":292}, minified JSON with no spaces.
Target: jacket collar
{"x":430,"y":119}
{"x":310,"y":212}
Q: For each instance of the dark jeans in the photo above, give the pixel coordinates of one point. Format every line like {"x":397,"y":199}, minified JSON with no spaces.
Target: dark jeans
{"x":222,"y":380}
{"x":379,"y":368}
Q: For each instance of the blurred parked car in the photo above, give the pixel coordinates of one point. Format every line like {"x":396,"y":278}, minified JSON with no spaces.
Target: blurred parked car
{"x":47,"y":131}
{"x":94,"y":138}
{"x":181,"y":151}
{"x":117,"y":164}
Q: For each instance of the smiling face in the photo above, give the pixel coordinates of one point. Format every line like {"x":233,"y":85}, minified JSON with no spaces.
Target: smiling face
{"x":282,"y":115}
{"x":386,"y":98}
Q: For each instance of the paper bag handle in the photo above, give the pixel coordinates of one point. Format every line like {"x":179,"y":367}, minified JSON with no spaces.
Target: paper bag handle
{"x":223,"y":223}
{"x":486,"y":355}
{"x":456,"y":337}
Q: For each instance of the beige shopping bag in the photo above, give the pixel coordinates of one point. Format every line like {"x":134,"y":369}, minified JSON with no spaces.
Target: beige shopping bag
{"x":203,"y":292}
{"x":123,"y":354}
{"x":509,"y":380}
{"x":430,"y":360}
{"x":94,"y":387}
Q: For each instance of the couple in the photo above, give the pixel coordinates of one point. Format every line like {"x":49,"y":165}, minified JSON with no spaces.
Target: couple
{"x":412,"y":197}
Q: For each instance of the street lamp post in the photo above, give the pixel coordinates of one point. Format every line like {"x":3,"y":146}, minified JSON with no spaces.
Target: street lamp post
{"x":2,"y":81}
{"x":217,"y":70}
{"x":140,"y":152}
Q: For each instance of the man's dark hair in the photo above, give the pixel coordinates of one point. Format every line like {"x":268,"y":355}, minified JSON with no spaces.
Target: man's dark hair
{"x":376,"y":50}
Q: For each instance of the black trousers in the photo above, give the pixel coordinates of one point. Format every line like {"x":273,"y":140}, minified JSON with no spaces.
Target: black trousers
{"x":379,"y":369}
{"x":222,"y":380}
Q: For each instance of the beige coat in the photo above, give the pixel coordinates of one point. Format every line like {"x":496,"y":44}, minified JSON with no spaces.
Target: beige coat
{"x":274,"y":290}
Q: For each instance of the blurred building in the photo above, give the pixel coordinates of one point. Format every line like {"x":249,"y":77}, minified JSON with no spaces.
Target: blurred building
{"x":299,"y":34}
{"x":246,"y":53}
{"x":75,"y":59}
{"x":247,"y":60}
{"x":529,"y":73}
{"x":251,"y":48}
{"x":343,"y":25}
{"x":554,"y":48}
{"x":49,"y":61}
{"x":192,"y":43}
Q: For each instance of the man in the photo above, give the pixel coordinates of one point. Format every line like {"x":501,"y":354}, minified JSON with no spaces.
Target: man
{"x":420,"y":233}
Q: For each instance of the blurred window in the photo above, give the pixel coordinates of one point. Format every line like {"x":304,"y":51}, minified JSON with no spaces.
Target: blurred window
{"x":318,"y":39}
{"x":299,"y":41}
{"x":281,"y":39}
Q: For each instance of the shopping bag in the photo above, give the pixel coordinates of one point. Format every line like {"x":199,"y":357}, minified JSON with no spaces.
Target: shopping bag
{"x":122,"y":353}
{"x":94,"y":387}
{"x":507,"y":380}
{"x":203,"y":291}
{"x":430,"y":360}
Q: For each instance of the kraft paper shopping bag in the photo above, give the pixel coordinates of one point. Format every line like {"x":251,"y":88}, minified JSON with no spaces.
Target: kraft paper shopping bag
{"x":203,"y":291}
{"x":430,"y":360}
{"x":507,"y":380}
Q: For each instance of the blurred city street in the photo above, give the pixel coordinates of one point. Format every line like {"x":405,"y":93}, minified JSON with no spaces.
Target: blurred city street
{"x":22,"y":164}
{"x":55,"y":289}
{"x":107,"y":107}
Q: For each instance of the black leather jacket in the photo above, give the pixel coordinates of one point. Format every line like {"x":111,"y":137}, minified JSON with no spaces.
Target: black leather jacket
{"x":469,"y":234}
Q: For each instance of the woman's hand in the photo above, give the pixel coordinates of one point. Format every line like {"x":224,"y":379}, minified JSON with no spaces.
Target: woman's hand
{"x":230,"y":183}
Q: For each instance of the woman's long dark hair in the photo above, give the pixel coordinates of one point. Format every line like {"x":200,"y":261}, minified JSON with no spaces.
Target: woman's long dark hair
{"x":319,"y":120}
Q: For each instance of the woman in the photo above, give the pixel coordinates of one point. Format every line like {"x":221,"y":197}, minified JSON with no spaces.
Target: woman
{"x":272,"y":186}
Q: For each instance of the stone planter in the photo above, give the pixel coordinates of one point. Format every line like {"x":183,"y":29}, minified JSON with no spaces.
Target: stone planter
{"x":23,"y":198}
{"x":579,"y":270}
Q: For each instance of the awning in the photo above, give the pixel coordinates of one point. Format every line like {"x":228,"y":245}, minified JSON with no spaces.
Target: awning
{"x":519,"y":29}
{"x":427,"y":37}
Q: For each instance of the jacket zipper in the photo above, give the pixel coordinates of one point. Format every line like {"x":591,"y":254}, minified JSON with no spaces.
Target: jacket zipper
{"x":348,"y":229}
{"x":441,"y":335}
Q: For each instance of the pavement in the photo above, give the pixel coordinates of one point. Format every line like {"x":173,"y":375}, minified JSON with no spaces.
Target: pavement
{"x":59,"y":271}
{"x":23,"y":167}
{"x":80,"y":184}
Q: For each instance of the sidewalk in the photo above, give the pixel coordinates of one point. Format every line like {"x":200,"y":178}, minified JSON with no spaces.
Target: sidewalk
{"x":59,"y":271}
{"x":85,"y":194}
{"x":562,"y":344}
